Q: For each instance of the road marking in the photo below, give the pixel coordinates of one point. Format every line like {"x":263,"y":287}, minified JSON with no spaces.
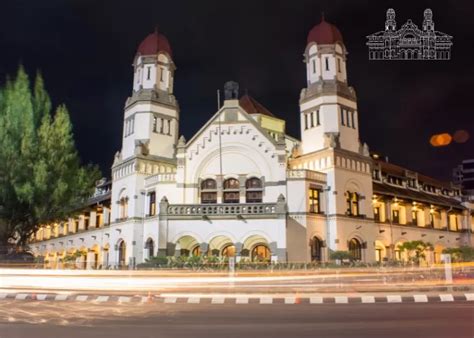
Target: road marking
{"x":290,"y":300}
{"x":170,"y":300}
{"x":341,"y":300}
{"x":217,"y":300}
{"x":316,"y":300}
{"x":60,"y":297}
{"x":266,"y":300}
{"x":420,"y":298}
{"x":102,"y":299}
{"x":41,"y":297}
{"x":194,"y":300}
{"x":3,"y":295}
{"x":394,"y":299}
{"x":21,"y":296}
{"x":241,"y":300}
{"x":469,"y":296}
{"x":124,"y":299}
{"x":81,"y":298}
{"x":446,"y":298}
{"x":367,"y":299}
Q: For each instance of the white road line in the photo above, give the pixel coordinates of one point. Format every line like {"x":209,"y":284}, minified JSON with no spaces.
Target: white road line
{"x":341,"y":300}
{"x":21,"y":296}
{"x":420,"y":298}
{"x":60,"y":297}
{"x":241,"y":300}
{"x":266,"y":300}
{"x":446,"y":297}
{"x":170,"y":300}
{"x":316,"y":300}
{"x":81,"y":298}
{"x":469,"y":296}
{"x":367,"y":299}
{"x":217,"y":300}
{"x":102,"y":299}
{"x":394,"y":299}
{"x":41,"y":296}
{"x":290,"y":300}
{"x":194,"y":300}
{"x":124,"y":299}
{"x":3,"y":295}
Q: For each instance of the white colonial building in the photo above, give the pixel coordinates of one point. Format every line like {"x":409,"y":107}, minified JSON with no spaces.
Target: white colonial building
{"x":242,"y":187}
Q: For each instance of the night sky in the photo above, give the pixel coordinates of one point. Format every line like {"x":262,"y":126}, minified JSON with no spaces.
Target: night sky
{"x":85,"y":50}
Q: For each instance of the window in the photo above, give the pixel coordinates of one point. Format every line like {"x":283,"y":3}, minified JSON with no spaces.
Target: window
{"x":129,"y":126}
{"x":254,"y":191}
{"x":355,"y":248}
{"x":148,"y":73}
{"x":261,"y":253}
{"x":353,"y":120}
{"x":414,"y":217}
{"x":314,"y":65}
{"x":348,"y":118}
{"x":123,"y":207}
{"x":377,"y":214}
{"x":98,"y":220}
{"x":352,"y":200}
{"x":155,"y":124}
{"x":311,"y":116}
{"x":76,"y":225}
{"x":338,"y":65}
{"x":169,"y":127}
{"x":208,"y":191}
{"x":152,"y":206}
{"x":316,"y":249}
{"x":150,"y":247}
{"x":228,"y":251}
{"x":162,"y":74}
{"x":162,"y":126}
{"x":395,"y":216}
{"x":318,"y":122}
{"x":327,"y":62}
{"x":342,"y":116}
{"x":313,"y":199}
{"x":305,"y":121}
{"x":432,"y":219}
{"x":231,"y":191}
{"x":86,"y":221}
{"x":122,"y":253}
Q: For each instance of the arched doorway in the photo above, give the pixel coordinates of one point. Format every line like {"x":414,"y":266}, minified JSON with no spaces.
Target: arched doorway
{"x":122,"y":250}
{"x":261,"y":253}
{"x":187,"y":245}
{"x":228,"y":251}
{"x":355,"y":248}
{"x":150,"y":248}
{"x":316,"y":249}
{"x":380,"y":251}
{"x":222,"y":246}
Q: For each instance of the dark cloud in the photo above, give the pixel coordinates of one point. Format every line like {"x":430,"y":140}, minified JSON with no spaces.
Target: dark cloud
{"x":85,"y":49}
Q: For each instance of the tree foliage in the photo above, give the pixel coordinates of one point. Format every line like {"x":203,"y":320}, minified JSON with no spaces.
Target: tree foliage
{"x":461,"y":254}
{"x":416,"y":250}
{"x":41,"y":177}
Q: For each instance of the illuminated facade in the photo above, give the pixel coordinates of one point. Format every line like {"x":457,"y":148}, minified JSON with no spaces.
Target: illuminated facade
{"x":242,"y":187}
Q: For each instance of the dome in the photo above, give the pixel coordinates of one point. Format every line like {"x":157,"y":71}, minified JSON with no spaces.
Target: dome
{"x":153,"y":44}
{"x":324,"y":33}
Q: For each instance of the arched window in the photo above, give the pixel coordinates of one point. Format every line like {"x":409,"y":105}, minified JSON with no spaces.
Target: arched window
{"x":123,"y":206}
{"x":231,"y":191}
{"x":254,"y":190}
{"x":122,"y":250}
{"x":196,"y":251}
{"x":261,"y":252}
{"x":208,"y":191}
{"x":352,"y":202}
{"x":316,"y":249}
{"x":228,"y":251}
{"x":355,"y":248}
{"x":150,"y":247}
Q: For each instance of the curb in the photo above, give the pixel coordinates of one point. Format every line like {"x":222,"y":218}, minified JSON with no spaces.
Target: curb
{"x":241,"y":299}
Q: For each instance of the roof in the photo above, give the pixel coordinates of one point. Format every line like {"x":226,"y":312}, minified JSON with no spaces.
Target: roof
{"x":403,"y":193}
{"x":153,"y":44}
{"x":252,"y":106}
{"x":324,"y":33}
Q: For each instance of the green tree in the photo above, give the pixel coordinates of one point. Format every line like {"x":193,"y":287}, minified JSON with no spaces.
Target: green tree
{"x":461,"y":254}
{"x":416,"y":250}
{"x":41,"y":177}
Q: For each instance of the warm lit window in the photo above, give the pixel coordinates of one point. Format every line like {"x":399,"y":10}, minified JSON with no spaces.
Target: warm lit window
{"x":414,"y":217}
{"x":152,"y":206}
{"x":313,"y":199}
{"x":377,"y":214}
{"x":352,"y":202}
{"x":395,"y":216}
{"x":254,"y":190}
{"x":208,"y":191}
{"x":231,"y":191}
{"x":261,"y":253}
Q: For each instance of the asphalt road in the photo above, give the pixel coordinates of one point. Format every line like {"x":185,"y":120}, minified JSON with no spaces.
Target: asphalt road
{"x":19,"y":319}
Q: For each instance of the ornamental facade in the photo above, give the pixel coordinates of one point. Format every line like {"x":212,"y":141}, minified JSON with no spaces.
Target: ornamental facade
{"x":242,"y":187}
